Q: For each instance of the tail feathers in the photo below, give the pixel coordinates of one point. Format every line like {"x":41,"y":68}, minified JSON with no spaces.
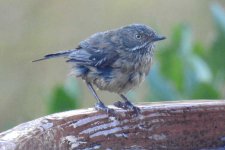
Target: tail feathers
{"x":55,"y":55}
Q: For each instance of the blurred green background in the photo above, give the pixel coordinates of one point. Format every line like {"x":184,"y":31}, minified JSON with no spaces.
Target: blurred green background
{"x":190,"y":64}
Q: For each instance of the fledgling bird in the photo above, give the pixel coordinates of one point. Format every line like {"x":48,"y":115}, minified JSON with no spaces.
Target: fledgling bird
{"x":116,"y":61}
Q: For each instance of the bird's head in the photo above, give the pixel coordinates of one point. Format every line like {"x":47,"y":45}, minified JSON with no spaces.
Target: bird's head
{"x":137,"y":37}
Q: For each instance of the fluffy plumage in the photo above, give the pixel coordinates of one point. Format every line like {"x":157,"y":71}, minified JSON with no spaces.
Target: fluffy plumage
{"x":115,"y":60}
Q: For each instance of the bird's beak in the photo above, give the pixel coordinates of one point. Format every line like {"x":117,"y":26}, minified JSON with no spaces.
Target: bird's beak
{"x":158,"y":38}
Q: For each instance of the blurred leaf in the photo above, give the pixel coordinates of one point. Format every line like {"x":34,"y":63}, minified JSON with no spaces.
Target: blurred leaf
{"x":182,"y":69}
{"x":64,"y":97}
{"x":161,"y":89}
{"x":171,"y":65}
{"x":186,"y":41}
{"x":205,"y":91}
{"x":216,"y":55}
{"x":186,"y":53}
{"x":199,"y":49}
{"x":72,"y":88}
{"x":201,"y":69}
{"x":218,"y":16}
{"x":176,"y":65}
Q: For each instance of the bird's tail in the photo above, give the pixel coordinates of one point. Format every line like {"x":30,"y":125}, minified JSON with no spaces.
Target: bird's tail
{"x":55,"y":55}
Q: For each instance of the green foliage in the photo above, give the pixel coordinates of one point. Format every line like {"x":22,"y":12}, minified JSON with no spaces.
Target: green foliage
{"x":161,"y":88}
{"x":205,"y":90}
{"x":188,"y":70}
{"x":216,"y":55}
{"x":64,"y":97}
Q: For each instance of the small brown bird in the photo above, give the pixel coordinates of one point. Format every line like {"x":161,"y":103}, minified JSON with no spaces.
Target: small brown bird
{"x":116,"y":61}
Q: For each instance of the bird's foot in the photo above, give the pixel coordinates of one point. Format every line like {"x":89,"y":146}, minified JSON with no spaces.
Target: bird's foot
{"x":127,"y":105}
{"x":101,"y":107}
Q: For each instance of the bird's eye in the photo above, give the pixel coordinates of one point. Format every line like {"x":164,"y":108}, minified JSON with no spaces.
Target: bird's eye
{"x":138,"y":36}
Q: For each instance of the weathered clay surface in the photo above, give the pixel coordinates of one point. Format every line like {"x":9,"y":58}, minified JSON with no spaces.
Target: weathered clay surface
{"x":190,"y":125}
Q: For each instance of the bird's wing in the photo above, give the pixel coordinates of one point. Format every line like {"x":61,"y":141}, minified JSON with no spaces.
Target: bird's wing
{"x":97,"y":51}
{"x":92,"y":58}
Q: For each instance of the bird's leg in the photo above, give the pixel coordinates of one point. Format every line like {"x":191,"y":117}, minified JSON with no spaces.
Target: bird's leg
{"x":99,"y":105}
{"x":127,"y":105}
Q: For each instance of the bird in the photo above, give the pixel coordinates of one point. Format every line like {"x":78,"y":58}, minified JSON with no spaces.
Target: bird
{"x":117,"y":60}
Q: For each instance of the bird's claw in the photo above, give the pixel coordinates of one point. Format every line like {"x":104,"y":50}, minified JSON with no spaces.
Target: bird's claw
{"x":101,"y":107}
{"x":128,"y":106}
